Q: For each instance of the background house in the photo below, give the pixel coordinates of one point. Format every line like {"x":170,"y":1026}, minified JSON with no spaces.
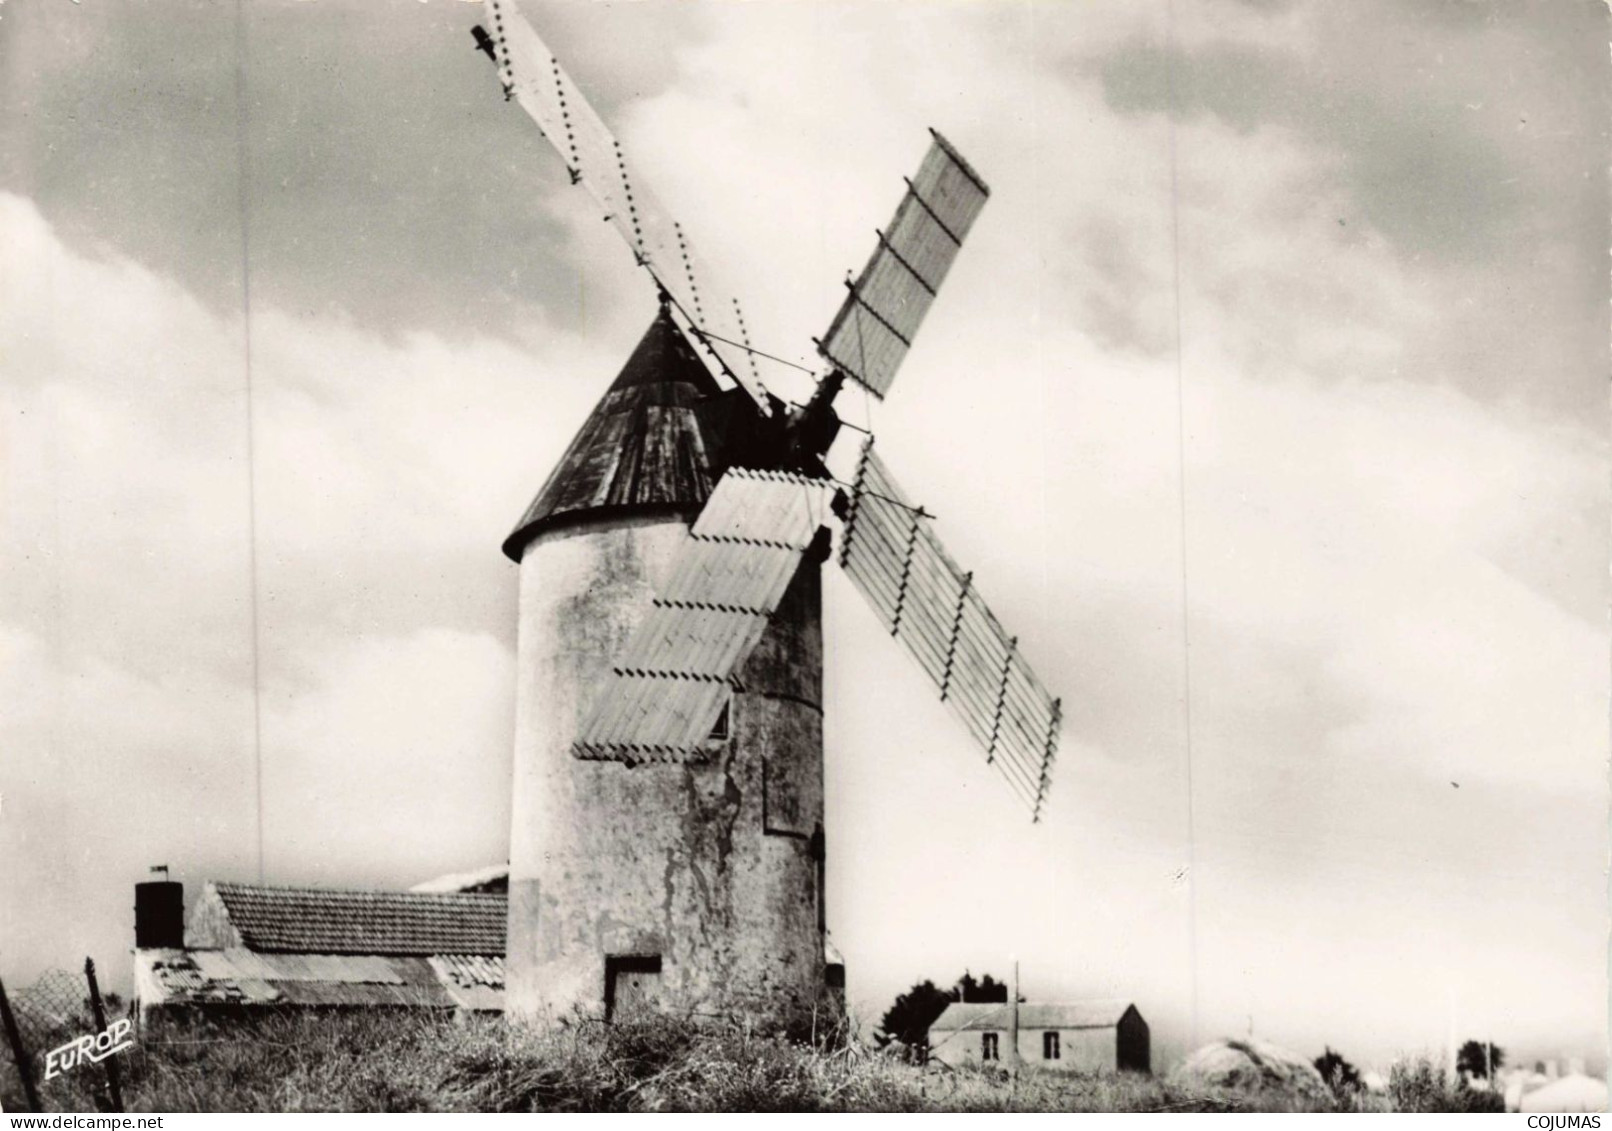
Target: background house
{"x":1091,"y":1036}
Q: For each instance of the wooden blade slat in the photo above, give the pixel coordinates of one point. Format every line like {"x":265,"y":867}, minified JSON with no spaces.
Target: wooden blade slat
{"x":880,"y":317}
{"x":598,"y":162}
{"x":675,"y":673}
{"x":893,"y":557}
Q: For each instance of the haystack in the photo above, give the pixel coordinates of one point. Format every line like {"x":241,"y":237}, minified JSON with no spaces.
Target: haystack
{"x":1251,"y":1065}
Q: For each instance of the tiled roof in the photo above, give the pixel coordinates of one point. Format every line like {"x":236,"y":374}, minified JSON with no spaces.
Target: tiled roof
{"x":469,"y":969}
{"x":1067,"y":1015}
{"x":320,"y":921}
{"x":237,"y":963}
{"x":239,"y":977}
{"x":475,"y":981}
{"x":361,"y":993}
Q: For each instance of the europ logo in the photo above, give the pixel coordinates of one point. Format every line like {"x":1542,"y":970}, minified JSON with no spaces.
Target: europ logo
{"x":94,"y":1048}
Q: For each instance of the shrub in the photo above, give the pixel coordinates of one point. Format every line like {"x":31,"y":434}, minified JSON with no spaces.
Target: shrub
{"x":1420,"y":1085}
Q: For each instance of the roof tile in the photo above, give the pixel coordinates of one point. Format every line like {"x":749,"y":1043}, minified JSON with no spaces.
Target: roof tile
{"x":322,"y":921}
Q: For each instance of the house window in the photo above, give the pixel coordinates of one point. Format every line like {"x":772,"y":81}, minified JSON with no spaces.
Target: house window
{"x":1050,"y":1049}
{"x":988,"y":1049}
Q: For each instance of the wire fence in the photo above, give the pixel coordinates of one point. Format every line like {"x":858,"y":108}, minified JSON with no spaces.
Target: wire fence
{"x":59,"y":1009}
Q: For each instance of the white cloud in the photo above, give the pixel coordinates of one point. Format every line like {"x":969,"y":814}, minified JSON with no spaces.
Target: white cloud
{"x":388,"y":473}
{"x":396,"y":761}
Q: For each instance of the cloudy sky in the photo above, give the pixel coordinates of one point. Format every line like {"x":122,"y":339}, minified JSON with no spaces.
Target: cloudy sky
{"x":1267,"y":403}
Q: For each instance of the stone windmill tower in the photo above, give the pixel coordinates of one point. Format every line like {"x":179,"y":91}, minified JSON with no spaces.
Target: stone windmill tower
{"x":668,"y":847}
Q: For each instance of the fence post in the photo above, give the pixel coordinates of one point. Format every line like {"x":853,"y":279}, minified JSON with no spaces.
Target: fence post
{"x":114,"y":1082}
{"x":18,"y":1053}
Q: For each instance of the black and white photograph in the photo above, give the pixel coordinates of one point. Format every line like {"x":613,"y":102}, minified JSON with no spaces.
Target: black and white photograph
{"x":811,"y":556}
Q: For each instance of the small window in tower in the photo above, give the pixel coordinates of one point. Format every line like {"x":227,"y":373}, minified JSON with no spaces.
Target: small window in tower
{"x":720,"y":732}
{"x":1050,"y":1049}
{"x":988,"y":1046}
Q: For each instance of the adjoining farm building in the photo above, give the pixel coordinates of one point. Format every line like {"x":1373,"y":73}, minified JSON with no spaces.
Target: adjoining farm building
{"x":247,"y":947}
{"x":1087,"y":1036}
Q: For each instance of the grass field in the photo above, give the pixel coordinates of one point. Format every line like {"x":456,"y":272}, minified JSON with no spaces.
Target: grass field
{"x":410,"y":1062}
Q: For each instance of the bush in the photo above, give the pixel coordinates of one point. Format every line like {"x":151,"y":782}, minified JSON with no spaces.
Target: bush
{"x":1420,"y":1085}
{"x":1341,"y":1076}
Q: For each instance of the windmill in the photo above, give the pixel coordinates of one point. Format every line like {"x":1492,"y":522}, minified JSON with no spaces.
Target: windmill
{"x":667,"y":842}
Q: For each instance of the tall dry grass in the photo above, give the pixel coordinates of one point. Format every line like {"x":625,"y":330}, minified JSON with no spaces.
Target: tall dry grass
{"x":412,"y":1062}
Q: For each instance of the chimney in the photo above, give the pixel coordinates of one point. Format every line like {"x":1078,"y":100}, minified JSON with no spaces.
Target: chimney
{"x":159,"y":913}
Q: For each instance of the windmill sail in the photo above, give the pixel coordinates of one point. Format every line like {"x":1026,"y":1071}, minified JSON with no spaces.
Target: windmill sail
{"x":932,"y":607}
{"x":534,"y":78}
{"x":876,"y":325}
{"x":673,"y":678}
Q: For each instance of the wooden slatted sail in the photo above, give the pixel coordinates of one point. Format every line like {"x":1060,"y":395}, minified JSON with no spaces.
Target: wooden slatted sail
{"x":596,"y":160}
{"x":932,"y":607}
{"x":876,"y":325}
{"x":674,"y":676}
